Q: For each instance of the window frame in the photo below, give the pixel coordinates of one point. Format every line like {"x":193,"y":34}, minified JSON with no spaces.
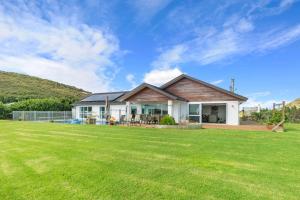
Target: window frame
{"x":85,"y":111}
{"x":195,"y":115}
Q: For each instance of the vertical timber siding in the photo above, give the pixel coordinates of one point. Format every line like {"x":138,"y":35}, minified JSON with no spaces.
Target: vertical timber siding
{"x":194,"y":91}
{"x":147,"y":95}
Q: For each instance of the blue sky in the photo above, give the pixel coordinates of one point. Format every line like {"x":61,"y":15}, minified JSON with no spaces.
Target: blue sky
{"x":116,"y":45}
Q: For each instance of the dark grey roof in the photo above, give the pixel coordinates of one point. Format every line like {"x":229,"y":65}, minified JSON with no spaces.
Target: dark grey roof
{"x":112,"y":96}
{"x":90,"y":103}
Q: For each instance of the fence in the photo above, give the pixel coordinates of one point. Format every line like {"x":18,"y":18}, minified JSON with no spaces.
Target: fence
{"x":42,"y":115}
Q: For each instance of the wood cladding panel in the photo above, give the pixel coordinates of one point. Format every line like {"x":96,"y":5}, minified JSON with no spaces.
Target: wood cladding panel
{"x":147,"y":95}
{"x":194,"y":91}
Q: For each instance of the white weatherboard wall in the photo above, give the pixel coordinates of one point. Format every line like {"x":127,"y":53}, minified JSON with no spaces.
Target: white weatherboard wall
{"x":115,"y":110}
{"x":179,"y":110}
{"x":233,"y":117}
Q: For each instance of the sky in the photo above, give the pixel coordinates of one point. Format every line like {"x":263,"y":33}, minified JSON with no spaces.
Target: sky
{"x":101,"y":45}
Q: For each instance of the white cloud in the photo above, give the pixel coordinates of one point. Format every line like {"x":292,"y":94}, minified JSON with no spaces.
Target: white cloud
{"x":160,"y":76}
{"x":226,"y":37}
{"x":244,"y":26}
{"x":131,"y":79}
{"x":280,"y":38}
{"x":170,"y":57}
{"x":217,"y":82}
{"x":146,"y":9}
{"x":224,"y":44}
{"x":263,"y":104}
{"x":256,"y":99}
{"x":57,"y":48}
{"x":259,"y":94}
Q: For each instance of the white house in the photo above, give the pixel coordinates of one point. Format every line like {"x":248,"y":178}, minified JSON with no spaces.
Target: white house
{"x":184,"y":98}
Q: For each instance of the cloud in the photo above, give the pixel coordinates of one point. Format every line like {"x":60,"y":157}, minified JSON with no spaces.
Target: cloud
{"x":263,"y":104}
{"x":56,"y":47}
{"x":225,"y":44}
{"x":244,"y":26}
{"x":222,"y":37}
{"x":259,"y":94}
{"x":131,"y":79}
{"x":217,"y":82}
{"x":146,"y":9}
{"x":281,"y":38}
{"x":261,"y":99}
{"x":170,"y":57}
{"x":160,"y":76}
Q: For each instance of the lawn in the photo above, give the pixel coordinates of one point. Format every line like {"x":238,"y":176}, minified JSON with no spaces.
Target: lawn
{"x":55,"y":161}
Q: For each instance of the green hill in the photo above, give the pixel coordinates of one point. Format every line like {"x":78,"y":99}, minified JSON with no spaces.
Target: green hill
{"x":16,"y":87}
{"x":295,"y":103}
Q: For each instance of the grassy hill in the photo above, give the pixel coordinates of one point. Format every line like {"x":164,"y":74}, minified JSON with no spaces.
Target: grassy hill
{"x":295,"y":103}
{"x":15,"y":87}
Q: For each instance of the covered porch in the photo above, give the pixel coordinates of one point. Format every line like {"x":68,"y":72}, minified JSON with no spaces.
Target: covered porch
{"x":148,"y":112}
{"x":148,"y":104}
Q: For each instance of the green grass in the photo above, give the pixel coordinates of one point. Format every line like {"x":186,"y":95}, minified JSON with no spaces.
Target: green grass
{"x":54,"y":161}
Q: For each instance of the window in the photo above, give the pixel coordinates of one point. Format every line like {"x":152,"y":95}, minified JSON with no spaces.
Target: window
{"x":155,"y":109}
{"x":85,"y":111}
{"x":194,"y":113}
{"x":102,"y":112}
{"x":133,"y":110}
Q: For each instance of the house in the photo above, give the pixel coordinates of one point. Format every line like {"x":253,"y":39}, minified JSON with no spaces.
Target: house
{"x":184,"y":98}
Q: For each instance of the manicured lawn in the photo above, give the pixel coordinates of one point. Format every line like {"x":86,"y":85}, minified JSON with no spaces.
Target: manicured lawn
{"x":54,"y":161}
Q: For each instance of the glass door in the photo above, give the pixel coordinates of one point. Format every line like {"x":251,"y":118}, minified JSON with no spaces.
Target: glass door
{"x":102,"y":112}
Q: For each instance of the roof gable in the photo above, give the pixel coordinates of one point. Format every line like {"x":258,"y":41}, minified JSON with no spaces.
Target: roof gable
{"x":206,"y":87}
{"x":150,"y":92}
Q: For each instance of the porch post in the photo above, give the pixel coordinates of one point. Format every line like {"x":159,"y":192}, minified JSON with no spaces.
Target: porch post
{"x":127,"y":110}
{"x":138,"y":109}
{"x":170,"y":108}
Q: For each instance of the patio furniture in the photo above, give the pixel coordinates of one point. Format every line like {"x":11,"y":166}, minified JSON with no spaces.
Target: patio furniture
{"x":122,"y":119}
{"x":137,"y":119}
{"x":143,"y":118}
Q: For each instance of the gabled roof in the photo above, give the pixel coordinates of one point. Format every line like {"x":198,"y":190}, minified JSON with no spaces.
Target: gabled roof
{"x":203,"y":83}
{"x":152,"y":87}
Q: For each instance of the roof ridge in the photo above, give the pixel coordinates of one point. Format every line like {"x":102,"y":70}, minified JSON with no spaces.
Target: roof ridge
{"x":110,"y":92}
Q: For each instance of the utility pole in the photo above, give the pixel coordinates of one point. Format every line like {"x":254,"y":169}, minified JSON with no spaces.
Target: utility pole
{"x":232,"y":85}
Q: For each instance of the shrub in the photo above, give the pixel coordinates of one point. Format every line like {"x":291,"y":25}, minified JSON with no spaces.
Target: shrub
{"x":276,"y":117}
{"x":4,"y":111}
{"x":167,"y":120}
{"x":41,"y":105}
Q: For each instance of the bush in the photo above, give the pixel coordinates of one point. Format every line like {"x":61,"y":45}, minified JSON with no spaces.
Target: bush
{"x":4,"y":111}
{"x":41,"y":105}
{"x":276,"y":117}
{"x":167,"y":120}
{"x":51,"y":104}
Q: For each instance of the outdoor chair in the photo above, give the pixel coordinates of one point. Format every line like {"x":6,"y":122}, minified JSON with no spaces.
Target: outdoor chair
{"x":143,"y":118}
{"x":148,"y":119}
{"x":137,"y":119}
{"x":122,"y":119}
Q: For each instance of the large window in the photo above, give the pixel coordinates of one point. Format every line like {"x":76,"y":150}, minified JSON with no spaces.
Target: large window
{"x":102,"y":112}
{"x":155,"y":109}
{"x":194,"y":113}
{"x":85,"y":111}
